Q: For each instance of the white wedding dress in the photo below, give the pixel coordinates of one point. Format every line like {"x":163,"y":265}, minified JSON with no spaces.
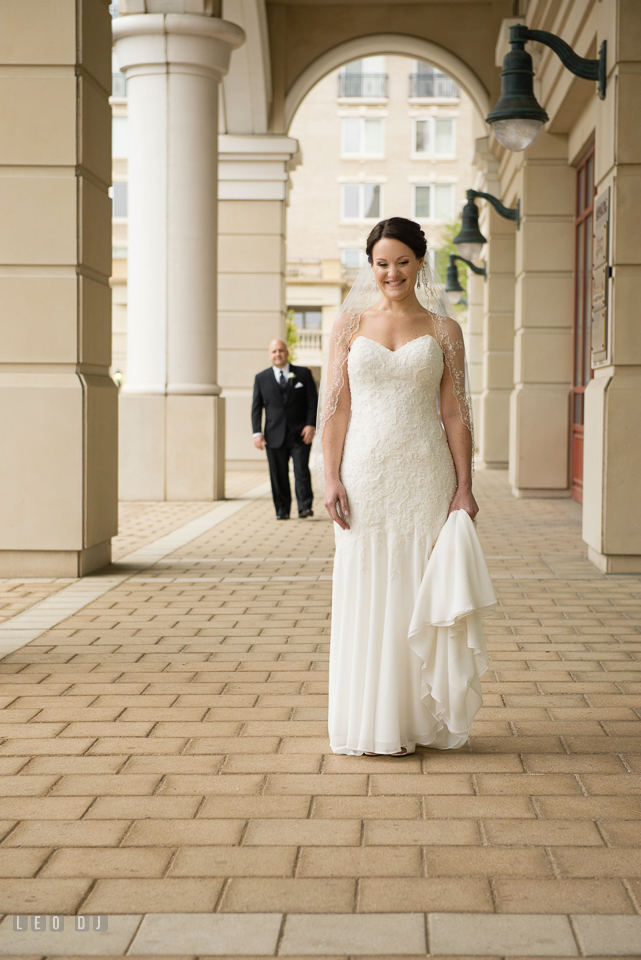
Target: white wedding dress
{"x":407,"y":648}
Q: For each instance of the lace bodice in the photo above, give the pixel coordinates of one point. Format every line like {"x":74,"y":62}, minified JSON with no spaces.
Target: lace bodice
{"x":396,"y":467}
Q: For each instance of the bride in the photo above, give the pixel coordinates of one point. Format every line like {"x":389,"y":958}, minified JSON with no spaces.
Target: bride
{"x":410,"y":581}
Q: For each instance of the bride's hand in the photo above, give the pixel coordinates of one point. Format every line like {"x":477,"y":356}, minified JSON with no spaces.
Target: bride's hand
{"x":464,"y":500}
{"x":335,"y":496}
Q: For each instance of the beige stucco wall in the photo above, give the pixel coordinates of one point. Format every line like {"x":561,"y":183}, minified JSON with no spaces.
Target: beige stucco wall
{"x":57,"y":403}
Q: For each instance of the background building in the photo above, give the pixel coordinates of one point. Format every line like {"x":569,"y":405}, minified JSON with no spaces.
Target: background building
{"x":380,"y":137}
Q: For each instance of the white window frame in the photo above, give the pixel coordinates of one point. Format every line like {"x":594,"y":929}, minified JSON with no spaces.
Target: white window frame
{"x":432,"y":218}
{"x":432,"y":153}
{"x":361,"y":154}
{"x":361,"y":202}
{"x":362,"y":258}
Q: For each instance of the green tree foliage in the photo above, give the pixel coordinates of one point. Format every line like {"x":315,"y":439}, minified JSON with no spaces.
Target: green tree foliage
{"x":447,"y":247}
{"x":292,"y":338}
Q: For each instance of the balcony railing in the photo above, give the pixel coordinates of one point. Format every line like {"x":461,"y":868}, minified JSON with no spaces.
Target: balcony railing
{"x":432,"y":85}
{"x":118,"y":85}
{"x":310,"y":340}
{"x":372,"y":85}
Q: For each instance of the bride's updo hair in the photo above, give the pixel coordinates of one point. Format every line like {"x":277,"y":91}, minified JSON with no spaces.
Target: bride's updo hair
{"x":398,"y":228}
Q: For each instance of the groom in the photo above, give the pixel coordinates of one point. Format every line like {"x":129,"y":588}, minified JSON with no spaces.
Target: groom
{"x":289,"y":398}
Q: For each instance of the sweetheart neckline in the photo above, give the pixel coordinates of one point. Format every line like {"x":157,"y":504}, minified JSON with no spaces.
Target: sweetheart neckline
{"x":406,"y":344}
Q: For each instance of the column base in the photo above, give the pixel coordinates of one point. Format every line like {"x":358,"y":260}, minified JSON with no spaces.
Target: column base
{"x":493,"y":464}
{"x":172,"y":447}
{"x":523,"y":493}
{"x":615,"y":563}
{"x":54,"y":563}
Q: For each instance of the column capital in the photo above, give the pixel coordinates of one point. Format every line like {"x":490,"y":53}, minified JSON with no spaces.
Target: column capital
{"x":255,"y":166}
{"x":153,"y":43}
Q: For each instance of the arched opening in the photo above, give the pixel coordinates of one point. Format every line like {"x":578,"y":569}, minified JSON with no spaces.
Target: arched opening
{"x":389,"y":44}
{"x":386,"y":127}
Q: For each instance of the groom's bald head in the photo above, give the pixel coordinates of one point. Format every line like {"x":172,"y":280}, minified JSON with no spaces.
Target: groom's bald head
{"x":278,"y":353}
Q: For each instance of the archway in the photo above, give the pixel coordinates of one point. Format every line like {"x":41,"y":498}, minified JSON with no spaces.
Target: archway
{"x":401,"y":45}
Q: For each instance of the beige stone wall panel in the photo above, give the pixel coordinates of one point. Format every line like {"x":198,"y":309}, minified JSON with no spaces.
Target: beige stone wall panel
{"x":195,"y":434}
{"x":249,"y":217}
{"x":38,"y":31}
{"x":495,"y":426}
{"x":241,"y":253}
{"x":141,"y":441}
{"x":626,"y":337}
{"x":94,"y":148}
{"x":256,"y":291}
{"x":94,"y":22}
{"x":545,"y":300}
{"x":38,"y":120}
{"x":237,"y":330}
{"x":94,"y":227}
{"x":38,"y":319}
{"x":625,"y":233}
{"x":543,"y":355}
{"x":100,"y":396}
{"x":38,"y":220}
{"x":41,"y":503}
{"x":498,"y":370}
{"x":629,"y":98}
{"x":95,"y":304}
{"x":238,"y":368}
{"x":547,"y":245}
{"x":540,"y":414}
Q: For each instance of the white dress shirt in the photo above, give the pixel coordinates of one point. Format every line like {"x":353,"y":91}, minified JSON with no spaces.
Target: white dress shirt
{"x":277,"y":373}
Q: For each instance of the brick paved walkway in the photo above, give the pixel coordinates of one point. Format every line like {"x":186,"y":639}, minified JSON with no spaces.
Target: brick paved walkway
{"x":164,"y":751}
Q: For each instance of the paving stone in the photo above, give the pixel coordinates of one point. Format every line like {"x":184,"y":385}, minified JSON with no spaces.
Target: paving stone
{"x":235,"y":862}
{"x":105,"y":862}
{"x":51,"y":896}
{"x":112,"y":942}
{"x":175,"y":833}
{"x":372,"y":935}
{"x":360,"y":862}
{"x":542,"y":832}
{"x":561,"y":896}
{"x":67,"y":833}
{"x":205,"y":934}
{"x":489,"y":861}
{"x":409,"y":894}
{"x":590,"y":862}
{"x":291,"y":896}
{"x":608,"y":936}
{"x":168,"y":895}
{"x":455,"y":934}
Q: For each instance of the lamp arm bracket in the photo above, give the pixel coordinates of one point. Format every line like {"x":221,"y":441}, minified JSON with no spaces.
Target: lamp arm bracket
{"x":480,"y":271}
{"x":579,"y":66}
{"x":509,"y":214}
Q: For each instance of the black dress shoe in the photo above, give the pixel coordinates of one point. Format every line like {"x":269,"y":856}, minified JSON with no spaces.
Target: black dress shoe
{"x":282,"y":516}
{"x":305,"y":513}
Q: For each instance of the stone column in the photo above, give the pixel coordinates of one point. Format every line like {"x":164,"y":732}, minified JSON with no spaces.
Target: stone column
{"x":58,"y":405}
{"x":172,"y":415}
{"x":253,"y":190}
{"x":474,"y":345}
{"x":498,"y":338}
{"x":612,"y":448}
{"x":543,"y":319}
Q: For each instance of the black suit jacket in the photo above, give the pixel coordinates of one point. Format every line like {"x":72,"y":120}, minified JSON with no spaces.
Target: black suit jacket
{"x":294,"y":410}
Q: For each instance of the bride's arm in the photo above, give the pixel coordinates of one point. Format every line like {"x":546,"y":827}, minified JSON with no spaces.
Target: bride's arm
{"x":459,"y":439}
{"x":334,"y":432}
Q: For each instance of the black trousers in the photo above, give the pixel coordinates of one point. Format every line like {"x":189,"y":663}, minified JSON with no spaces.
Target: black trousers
{"x":278,"y":459}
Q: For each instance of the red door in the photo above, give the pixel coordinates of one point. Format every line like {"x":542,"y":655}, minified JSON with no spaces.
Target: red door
{"x":582,"y":314}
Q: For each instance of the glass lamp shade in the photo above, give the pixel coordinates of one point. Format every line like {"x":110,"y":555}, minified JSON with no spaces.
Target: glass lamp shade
{"x":469,"y":251}
{"x":517,"y":133}
{"x":455,"y":295}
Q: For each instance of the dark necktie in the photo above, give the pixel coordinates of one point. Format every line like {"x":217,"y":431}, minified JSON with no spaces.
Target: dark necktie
{"x":282,"y":382}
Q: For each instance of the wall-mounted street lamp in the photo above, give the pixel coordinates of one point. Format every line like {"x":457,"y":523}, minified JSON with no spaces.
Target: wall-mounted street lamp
{"x":469,"y":240}
{"x":518,"y":117}
{"x":453,"y":287}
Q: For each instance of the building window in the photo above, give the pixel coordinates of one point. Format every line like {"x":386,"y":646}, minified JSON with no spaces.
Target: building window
{"x":353,"y":258}
{"x":434,"y":137}
{"x":362,"y":137}
{"x":118,"y":194}
{"x":119,"y":136}
{"x":427,"y":82}
{"x":361,"y":201}
{"x":363,"y":78}
{"x":308,"y":318}
{"x":434,"y":201}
